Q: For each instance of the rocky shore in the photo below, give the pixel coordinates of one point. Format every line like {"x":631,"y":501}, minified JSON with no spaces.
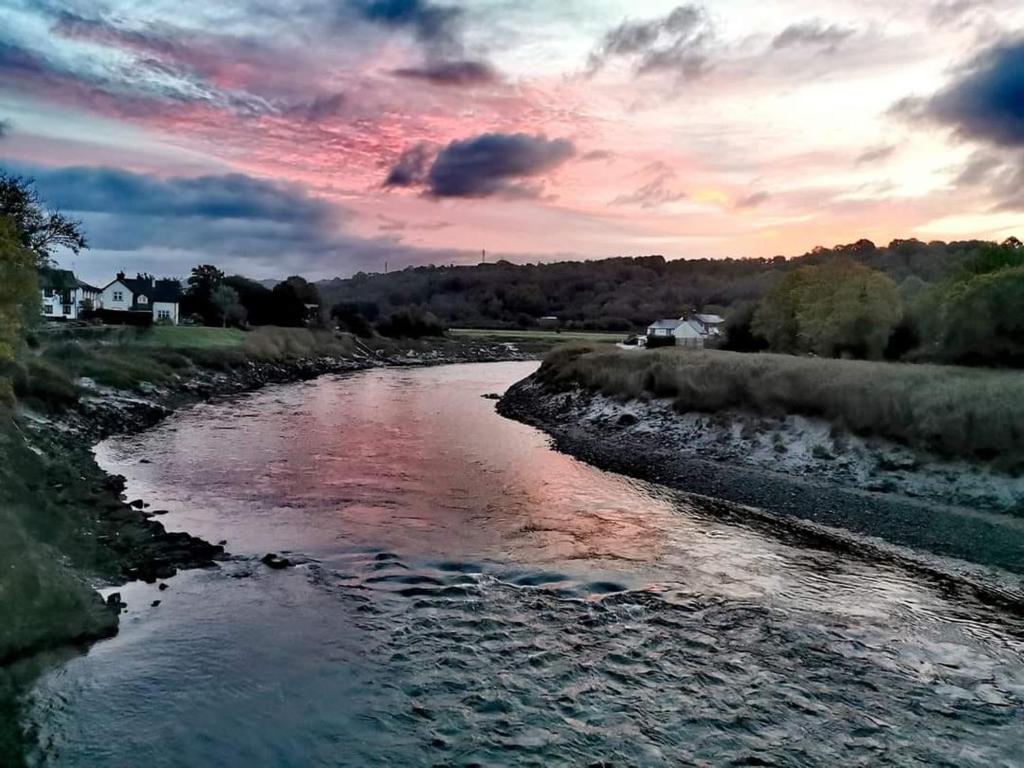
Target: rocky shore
{"x":956,"y":522}
{"x":68,"y":527}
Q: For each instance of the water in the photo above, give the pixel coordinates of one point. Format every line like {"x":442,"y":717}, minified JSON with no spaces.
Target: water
{"x":467,"y":596}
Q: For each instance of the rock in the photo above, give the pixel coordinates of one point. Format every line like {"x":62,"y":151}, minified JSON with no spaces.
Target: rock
{"x":137,"y":503}
{"x":275,"y":561}
{"x":163,"y":586}
{"x":160,"y":511}
{"x":114,"y":602}
{"x":155,"y":603}
{"x":627,"y":420}
{"x":145,"y":461}
{"x":491,"y":396}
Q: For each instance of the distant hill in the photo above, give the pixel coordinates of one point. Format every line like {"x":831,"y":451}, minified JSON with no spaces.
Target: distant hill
{"x":618,"y":294}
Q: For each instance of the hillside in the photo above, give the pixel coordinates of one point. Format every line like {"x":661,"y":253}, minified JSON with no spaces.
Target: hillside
{"x":618,"y":294}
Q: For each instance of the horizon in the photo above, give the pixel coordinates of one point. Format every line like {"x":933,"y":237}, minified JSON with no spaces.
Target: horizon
{"x":350,"y":133}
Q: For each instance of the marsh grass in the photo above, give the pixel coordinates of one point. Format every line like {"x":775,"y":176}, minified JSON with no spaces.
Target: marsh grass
{"x":957,"y":412}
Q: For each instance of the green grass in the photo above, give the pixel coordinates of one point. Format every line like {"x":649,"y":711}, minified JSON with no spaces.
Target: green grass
{"x":959,"y":412}
{"x":191,"y":337}
{"x":539,"y":335}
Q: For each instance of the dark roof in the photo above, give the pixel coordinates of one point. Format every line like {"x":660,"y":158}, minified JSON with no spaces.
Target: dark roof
{"x":87,"y":286}
{"x":57,"y":279}
{"x":165,"y":290}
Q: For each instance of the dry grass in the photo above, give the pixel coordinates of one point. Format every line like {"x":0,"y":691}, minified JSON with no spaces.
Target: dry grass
{"x":954,"y":411}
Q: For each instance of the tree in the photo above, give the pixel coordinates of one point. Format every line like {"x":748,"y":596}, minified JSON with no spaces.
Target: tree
{"x":224,"y":298}
{"x":291,"y":301}
{"x":831,"y":309}
{"x":349,"y":316}
{"x":198,"y":298}
{"x":37,"y":228}
{"x":19,"y":295}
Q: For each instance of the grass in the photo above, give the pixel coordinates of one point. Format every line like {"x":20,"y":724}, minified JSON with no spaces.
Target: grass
{"x":956,"y":412}
{"x":46,"y":378}
{"x":554,"y":337}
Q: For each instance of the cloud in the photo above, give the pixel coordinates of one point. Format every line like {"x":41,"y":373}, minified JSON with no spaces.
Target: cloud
{"x":812,"y":33}
{"x":676,"y":43}
{"x":753,"y":200}
{"x":5,"y":128}
{"x":943,"y":12}
{"x":985,"y":102}
{"x":655,"y":192}
{"x":412,"y":166}
{"x":319,"y":108}
{"x":875,"y":154}
{"x":244,"y":224}
{"x":435,"y":25}
{"x":452,"y":73}
{"x":486,"y":165}
{"x":597,"y":154}
{"x":999,"y":174}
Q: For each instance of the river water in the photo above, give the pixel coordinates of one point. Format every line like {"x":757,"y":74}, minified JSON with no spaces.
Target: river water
{"x":468,"y":596}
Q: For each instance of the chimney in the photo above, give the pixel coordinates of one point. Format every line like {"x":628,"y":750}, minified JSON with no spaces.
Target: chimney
{"x":120,"y":275}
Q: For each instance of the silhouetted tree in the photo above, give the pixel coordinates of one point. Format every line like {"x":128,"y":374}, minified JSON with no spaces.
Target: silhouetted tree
{"x":37,"y":228}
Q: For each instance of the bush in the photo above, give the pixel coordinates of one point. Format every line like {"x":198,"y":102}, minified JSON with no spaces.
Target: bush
{"x":43,"y":383}
{"x":411,"y":324}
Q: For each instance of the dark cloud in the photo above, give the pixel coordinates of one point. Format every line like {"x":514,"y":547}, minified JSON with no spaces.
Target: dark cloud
{"x":454,"y":73}
{"x":753,"y":200}
{"x":5,"y":128}
{"x":812,"y":33}
{"x":985,"y":101}
{"x":676,"y":43}
{"x":494,"y":163}
{"x":437,"y":26}
{"x":597,"y":154}
{"x":229,"y":196}
{"x":247,"y":225}
{"x":412,"y":166}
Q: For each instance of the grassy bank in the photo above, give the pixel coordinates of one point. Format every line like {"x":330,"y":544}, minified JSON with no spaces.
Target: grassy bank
{"x":956,"y":412}
{"x":47,"y":376}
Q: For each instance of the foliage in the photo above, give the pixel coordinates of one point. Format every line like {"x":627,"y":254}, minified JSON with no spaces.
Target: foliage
{"x":835,"y":308}
{"x":38,"y":229}
{"x":19,"y":296}
{"x":954,"y":411}
{"x":622,"y":293}
{"x":225,"y":299}
{"x":411,"y":323}
{"x":353,"y":317}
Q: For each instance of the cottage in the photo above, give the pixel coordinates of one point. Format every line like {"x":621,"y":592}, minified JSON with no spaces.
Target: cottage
{"x":64,"y":296}
{"x":688,"y":331}
{"x":140,"y":299}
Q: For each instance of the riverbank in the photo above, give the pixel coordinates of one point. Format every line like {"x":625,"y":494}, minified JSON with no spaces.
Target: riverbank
{"x":66,"y":526}
{"x":950,"y":518}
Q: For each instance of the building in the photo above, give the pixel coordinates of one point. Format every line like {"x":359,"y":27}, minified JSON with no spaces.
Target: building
{"x":688,"y":331}
{"x":64,"y":296}
{"x":140,"y":300}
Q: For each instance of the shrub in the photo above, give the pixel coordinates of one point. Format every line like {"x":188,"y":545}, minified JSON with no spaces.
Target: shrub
{"x":411,"y":324}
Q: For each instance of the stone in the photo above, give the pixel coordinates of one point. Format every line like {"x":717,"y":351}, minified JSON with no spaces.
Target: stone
{"x":275,"y":561}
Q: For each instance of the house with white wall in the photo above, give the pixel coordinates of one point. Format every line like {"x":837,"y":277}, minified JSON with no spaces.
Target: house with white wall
{"x":141,"y":296}
{"x":64,"y":296}
{"x":687,"y":331}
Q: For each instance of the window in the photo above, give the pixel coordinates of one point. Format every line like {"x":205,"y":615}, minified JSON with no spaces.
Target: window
{"x":163,"y":314}
{"x":143,"y":300}
{"x":118,"y":296}
{"x":67,"y":309}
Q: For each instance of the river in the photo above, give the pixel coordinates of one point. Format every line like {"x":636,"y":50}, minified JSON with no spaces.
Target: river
{"x":465,"y":595}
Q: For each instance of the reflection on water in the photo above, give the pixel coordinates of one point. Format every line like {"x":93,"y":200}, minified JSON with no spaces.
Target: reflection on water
{"x":472,"y":597}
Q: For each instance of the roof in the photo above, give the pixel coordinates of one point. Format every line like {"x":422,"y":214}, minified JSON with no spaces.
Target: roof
{"x":690,"y":329}
{"x":86,"y":286}
{"x":164,"y":290}
{"x":711,"y":319}
{"x":664,"y":324}
{"x":57,"y":279}
{"x":168,"y":291}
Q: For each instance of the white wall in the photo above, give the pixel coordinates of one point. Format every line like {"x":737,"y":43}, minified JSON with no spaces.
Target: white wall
{"x":107,"y":300}
{"x":165,"y":306}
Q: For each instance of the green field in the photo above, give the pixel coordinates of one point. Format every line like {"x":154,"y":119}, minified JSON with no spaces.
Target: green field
{"x":191,"y":337}
{"x":548,"y":336}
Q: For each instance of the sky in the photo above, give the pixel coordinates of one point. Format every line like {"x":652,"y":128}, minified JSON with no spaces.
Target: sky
{"x":327,"y":137}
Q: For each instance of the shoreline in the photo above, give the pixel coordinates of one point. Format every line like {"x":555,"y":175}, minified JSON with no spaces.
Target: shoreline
{"x":966,"y":548}
{"x":90,"y":535}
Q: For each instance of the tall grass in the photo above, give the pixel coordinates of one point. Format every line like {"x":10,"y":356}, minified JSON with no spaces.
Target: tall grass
{"x":953,"y":411}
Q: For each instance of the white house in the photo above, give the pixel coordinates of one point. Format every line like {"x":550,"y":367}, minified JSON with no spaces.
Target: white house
{"x":692,"y":331}
{"x":64,"y":296}
{"x":141,"y":295}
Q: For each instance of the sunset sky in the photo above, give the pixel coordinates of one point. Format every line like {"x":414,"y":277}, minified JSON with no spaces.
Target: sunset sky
{"x":324,"y":137}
